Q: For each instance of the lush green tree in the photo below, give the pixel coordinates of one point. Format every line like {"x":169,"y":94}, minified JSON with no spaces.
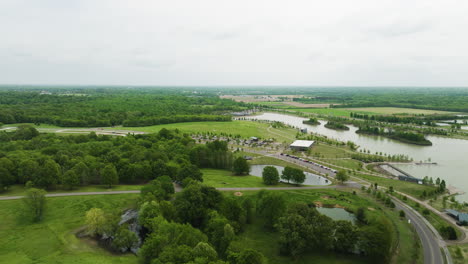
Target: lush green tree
{"x":376,"y":240}
{"x":6,"y":179}
{"x":159,"y":189}
{"x":240,"y":166}
{"x":193,"y":202}
{"x":250,"y":256}
{"x":220,"y":233}
{"x":169,"y":235}
{"x":342,"y":176}
{"x":191,"y":171}
{"x":249,"y":208}
{"x":27,"y":170}
{"x":402,"y":214}
{"x":35,"y":203}
{"x":49,"y":174}
{"x":271,"y":206}
{"x":287,"y":173}
{"x":70,"y":179}
{"x":345,"y":236}
{"x":205,"y":251}
{"x":124,"y":239}
{"x":448,"y":232}
{"x":270,"y":175}
{"x":109,"y":175}
{"x":298,"y":176}
{"x":232,"y":209}
{"x":95,"y":221}
{"x":293,"y":230}
{"x":82,"y":171}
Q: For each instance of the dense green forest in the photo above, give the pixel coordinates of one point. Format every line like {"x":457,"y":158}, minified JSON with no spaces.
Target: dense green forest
{"x":48,"y":160}
{"x":110,"y":107}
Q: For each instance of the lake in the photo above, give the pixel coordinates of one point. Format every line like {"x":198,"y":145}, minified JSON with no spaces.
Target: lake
{"x":450,"y":154}
{"x":311,"y":179}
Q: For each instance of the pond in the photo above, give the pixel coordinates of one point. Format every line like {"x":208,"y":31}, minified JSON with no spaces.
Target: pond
{"x":449,"y":153}
{"x":337,"y":214}
{"x":311,"y":179}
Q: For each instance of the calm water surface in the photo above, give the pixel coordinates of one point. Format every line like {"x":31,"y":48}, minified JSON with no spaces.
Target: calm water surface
{"x":311,"y":179}
{"x":337,"y":213}
{"x":450,"y":154}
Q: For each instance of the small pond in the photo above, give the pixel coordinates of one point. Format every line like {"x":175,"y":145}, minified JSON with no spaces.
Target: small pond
{"x":337,"y":213}
{"x":311,"y":179}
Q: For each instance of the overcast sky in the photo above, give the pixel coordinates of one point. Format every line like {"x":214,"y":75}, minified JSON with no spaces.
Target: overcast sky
{"x":236,"y":42}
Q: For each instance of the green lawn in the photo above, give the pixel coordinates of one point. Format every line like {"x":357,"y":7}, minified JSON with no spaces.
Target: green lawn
{"x":20,"y":190}
{"x":243,"y":128}
{"x":53,"y":239}
{"x":410,"y":188}
{"x":224,"y":178}
{"x":459,"y":253}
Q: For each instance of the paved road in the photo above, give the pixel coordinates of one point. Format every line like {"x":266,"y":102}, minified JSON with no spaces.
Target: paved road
{"x":430,"y":239}
{"x":178,"y":189}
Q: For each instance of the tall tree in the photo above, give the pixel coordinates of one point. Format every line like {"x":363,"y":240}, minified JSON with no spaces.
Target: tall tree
{"x":49,"y":174}
{"x":240,"y":166}
{"x":109,"y":175}
{"x":342,"y":176}
{"x":270,"y":175}
{"x":35,"y":203}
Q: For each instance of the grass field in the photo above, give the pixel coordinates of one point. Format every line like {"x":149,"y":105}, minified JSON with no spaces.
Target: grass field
{"x":224,"y":178}
{"x":53,"y":239}
{"x":459,"y":253}
{"x":243,"y":128}
{"x":412,"y":189}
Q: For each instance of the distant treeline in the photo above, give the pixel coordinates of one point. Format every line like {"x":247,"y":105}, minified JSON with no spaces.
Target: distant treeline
{"x":428,"y":120}
{"x":123,"y":107}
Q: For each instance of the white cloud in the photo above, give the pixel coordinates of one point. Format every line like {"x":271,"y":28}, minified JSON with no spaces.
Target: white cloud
{"x":214,"y":42}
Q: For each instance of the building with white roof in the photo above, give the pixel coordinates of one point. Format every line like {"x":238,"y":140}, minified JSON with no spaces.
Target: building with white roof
{"x":301,"y":145}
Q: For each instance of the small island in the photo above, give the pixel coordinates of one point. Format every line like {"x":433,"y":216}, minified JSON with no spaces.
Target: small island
{"x":311,"y":121}
{"x":407,"y":137}
{"x":336,"y":125}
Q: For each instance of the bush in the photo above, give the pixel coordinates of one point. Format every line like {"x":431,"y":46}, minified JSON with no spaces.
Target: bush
{"x":402,"y":214}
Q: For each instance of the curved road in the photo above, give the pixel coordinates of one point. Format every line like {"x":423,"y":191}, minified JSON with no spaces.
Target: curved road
{"x":430,"y":239}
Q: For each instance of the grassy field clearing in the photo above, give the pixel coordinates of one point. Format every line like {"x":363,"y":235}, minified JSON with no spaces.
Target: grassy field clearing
{"x":459,"y":253}
{"x":243,"y":128}
{"x":53,"y":240}
{"x":412,"y":189}
{"x":224,"y":178}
